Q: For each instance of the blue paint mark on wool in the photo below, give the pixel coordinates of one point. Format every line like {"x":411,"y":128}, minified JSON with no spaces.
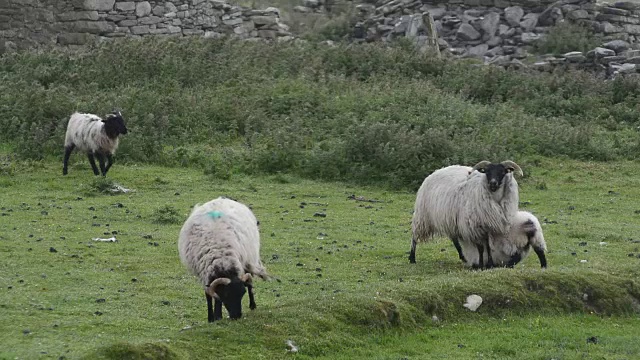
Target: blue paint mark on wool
{"x":215,"y":214}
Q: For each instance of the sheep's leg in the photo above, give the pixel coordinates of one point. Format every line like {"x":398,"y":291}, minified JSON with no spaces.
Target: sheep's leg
{"x":67,"y":154}
{"x":456,"y":243}
{"x":252,"y":300}
{"x":217,"y":309}
{"x":412,"y":254}
{"x":211,"y":314}
{"x":489,"y":257}
{"x":109,"y":163}
{"x":540,"y":252}
{"x":100,"y":157}
{"x":92,"y":161}
{"x":210,"y":317}
{"x":480,"y":264}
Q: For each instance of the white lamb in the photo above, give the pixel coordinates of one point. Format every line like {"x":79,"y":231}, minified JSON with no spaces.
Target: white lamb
{"x":220,"y":244}
{"x":508,"y":250}
{"x":95,"y":136}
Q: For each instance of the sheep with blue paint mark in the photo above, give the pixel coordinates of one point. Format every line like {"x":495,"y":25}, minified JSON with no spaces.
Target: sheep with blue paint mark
{"x":95,"y":136}
{"x":220,"y":244}
{"x":467,"y":204}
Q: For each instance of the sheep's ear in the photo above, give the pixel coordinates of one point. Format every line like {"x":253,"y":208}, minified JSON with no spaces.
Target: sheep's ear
{"x":247,"y":279}
{"x":511,"y":166}
{"x":211,"y":290}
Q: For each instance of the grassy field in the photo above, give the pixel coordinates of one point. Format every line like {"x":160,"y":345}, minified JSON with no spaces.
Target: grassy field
{"x":344,"y":287}
{"x":304,"y":133}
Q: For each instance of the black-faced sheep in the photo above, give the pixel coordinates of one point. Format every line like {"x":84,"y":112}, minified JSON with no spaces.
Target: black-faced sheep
{"x":508,"y":250}
{"x":220,"y":244}
{"x":95,"y":136}
{"x":467,"y":204}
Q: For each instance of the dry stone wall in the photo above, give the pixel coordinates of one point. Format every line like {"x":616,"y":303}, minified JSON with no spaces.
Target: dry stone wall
{"x":502,"y":31}
{"x":32,"y":23}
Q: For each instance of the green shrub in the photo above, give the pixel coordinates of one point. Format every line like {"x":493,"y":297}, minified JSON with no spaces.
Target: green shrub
{"x":369,"y":113}
{"x":566,"y":37}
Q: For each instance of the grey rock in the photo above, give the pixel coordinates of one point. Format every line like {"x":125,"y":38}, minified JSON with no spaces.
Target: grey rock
{"x":437,"y":13}
{"x":158,"y":10}
{"x":613,"y":59}
{"x":267,"y":34}
{"x":551,"y":16}
{"x":489,"y":23}
{"x":100,"y":5}
{"x":627,"y":5}
{"x":633,"y":60}
{"x":143,"y":9}
{"x":467,"y":32}
{"x":529,"y":22}
{"x":625,"y":68}
{"x":575,"y":56}
{"x":617,"y":45}
{"x":618,"y":19}
{"x":302,"y":9}
{"x":477,"y":51}
{"x":78,"y":15}
{"x":232,"y":22}
{"x":578,"y":14}
{"x":126,"y":6}
{"x":494,"y":41}
{"x":415,"y":22}
{"x":631,"y":29}
{"x":92,"y":27}
{"x":609,"y":28}
{"x":500,"y":60}
{"x":529,"y":38}
{"x":600,"y":52}
{"x":75,"y":38}
{"x":140,"y":29}
{"x":169,"y":7}
{"x":614,"y":11}
{"x":513,"y":14}
{"x":311,"y":3}
{"x":128,"y":23}
{"x":149,"y":20}
{"x":191,"y":32}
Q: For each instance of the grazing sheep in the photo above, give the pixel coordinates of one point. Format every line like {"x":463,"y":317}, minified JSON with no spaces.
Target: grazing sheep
{"x":508,"y":250}
{"x":467,"y":204}
{"x":95,"y":136}
{"x":220,"y":244}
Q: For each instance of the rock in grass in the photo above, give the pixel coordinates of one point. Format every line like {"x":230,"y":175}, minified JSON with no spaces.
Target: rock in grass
{"x":473,"y":302}
{"x":291,"y":347}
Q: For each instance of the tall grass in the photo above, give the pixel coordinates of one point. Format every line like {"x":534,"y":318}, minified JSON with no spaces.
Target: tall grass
{"x":366,"y":113}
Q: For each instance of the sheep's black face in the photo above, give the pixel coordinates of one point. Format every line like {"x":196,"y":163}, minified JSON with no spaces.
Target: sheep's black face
{"x":495,"y":175}
{"x":231,"y":296}
{"x":114,"y":125}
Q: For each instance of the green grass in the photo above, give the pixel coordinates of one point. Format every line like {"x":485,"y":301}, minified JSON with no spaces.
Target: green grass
{"x":345,"y":288}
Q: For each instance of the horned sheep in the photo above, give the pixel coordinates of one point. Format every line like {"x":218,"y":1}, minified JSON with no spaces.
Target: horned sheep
{"x":220,"y":244}
{"x":508,"y":250}
{"x":95,"y":136}
{"x":467,"y":204}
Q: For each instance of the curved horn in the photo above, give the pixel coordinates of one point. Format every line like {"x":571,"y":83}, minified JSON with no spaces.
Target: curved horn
{"x":246,"y":278}
{"x":211,"y":289}
{"x":481,"y":165}
{"x":513,"y":167}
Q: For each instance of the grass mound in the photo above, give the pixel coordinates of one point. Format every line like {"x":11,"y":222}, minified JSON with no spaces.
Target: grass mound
{"x":128,"y":351}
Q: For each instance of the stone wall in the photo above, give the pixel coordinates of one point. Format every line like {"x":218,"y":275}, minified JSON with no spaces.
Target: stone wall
{"x":32,"y":23}
{"x":500,"y":31}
